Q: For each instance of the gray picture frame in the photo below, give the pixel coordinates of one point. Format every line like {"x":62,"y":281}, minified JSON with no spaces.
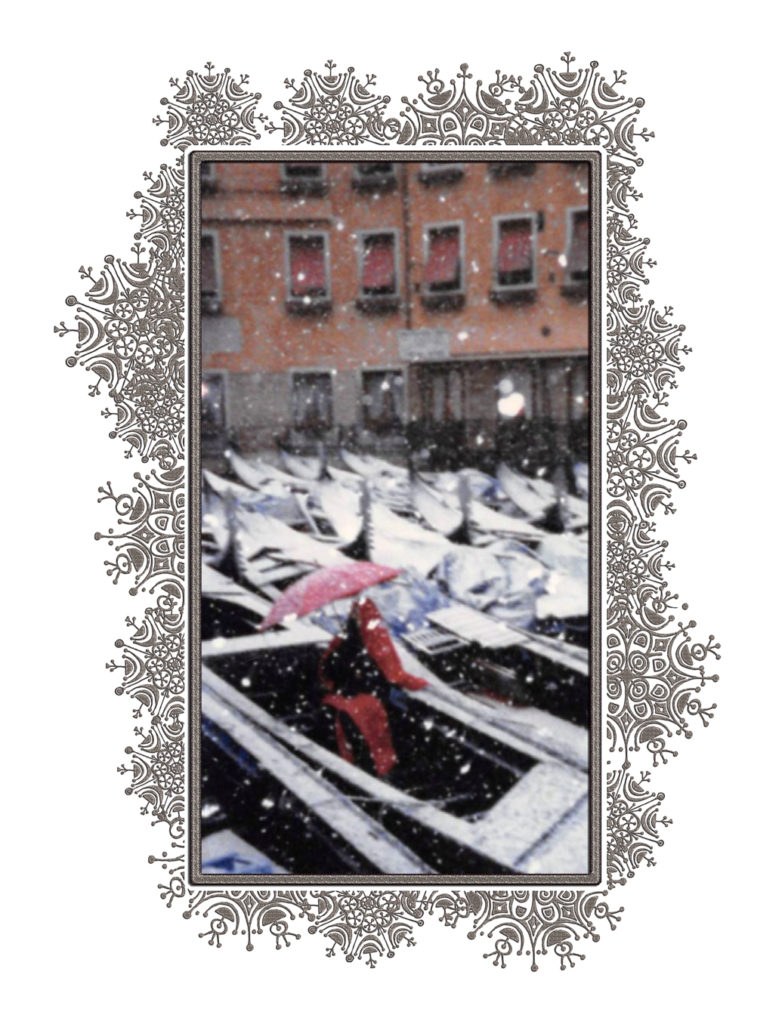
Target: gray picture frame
{"x":130,"y":334}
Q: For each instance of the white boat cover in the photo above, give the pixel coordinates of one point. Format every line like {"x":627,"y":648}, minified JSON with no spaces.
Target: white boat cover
{"x":342,"y":507}
{"x":403,"y":544}
{"x":489,"y":521}
{"x":258,"y":533}
{"x":226,"y":488}
{"x":306,"y":468}
{"x":226,"y":853}
{"x":356,"y":463}
{"x":260,"y":475}
{"x":370,"y":465}
{"x":567,"y":587}
{"x":576,"y":513}
{"x":344,"y":476}
{"x":377,"y":465}
{"x":269,"y":472}
{"x":440,"y":513}
{"x":505,"y":584}
{"x":523,"y":494}
{"x":581,"y":473}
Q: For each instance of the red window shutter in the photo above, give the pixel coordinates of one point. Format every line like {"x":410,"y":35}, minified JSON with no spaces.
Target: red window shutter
{"x":307,"y":266}
{"x":578,"y":257}
{"x":515,"y":248}
{"x":208,"y":266}
{"x":442,"y":266}
{"x":378,"y":270}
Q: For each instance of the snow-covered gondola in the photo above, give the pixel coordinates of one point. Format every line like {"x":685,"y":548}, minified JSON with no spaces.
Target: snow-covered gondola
{"x":542,"y":503}
{"x":492,"y":752}
{"x":464,"y":795}
{"x":526,"y":497}
{"x":461,"y":516}
{"x":389,"y":483}
{"x":272,"y":496}
{"x":258,"y":475}
{"x":450,"y":518}
{"x":302,"y":467}
{"x":503,"y":582}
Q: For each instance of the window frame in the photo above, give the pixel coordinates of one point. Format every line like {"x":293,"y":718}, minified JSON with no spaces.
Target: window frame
{"x":220,"y":376}
{"x":440,"y":171}
{"x":208,"y":179}
{"x":375,"y":182}
{"x":523,"y":291}
{"x":297,"y":303}
{"x":398,"y":370}
{"x":311,"y":371}
{"x":578,"y":287}
{"x":366,"y":301}
{"x":294,"y":185}
{"x":453,"y":298}
{"x":215,"y":307}
{"x":502,"y":170}
{"x":533,"y":412}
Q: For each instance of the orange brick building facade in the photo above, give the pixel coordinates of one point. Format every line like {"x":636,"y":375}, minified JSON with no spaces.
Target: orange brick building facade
{"x":370,"y":302}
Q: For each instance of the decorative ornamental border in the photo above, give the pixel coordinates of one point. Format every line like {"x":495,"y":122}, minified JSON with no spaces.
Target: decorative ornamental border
{"x":128,"y":330}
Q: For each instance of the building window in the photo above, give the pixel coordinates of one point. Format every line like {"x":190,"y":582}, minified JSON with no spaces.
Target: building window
{"x":565,"y":389}
{"x":307,"y":272}
{"x":443,"y":283}
{"x":442,"y":393}
{"x":301,"y":177}
{"x":556,"y":389}
{"x":441,"y":172}
{"x":517,"y":393}
{"x":312,"y":407}
{"x":579,"y":390}
{"x":382,"y":400}
{"x":512,"y":168}
{"x":378,"y":271}
{"x":374,"y":176}
{"x":576,"y":279}
{"x":211,"y":298}
{"x":514,"y":246}
{"x":208,"y":175}
{"x":213,"y":418}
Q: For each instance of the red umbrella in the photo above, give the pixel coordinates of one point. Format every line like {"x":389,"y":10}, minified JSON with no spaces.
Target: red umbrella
{"x":323,"y":586}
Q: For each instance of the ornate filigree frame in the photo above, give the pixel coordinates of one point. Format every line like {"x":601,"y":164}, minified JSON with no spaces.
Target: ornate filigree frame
{"x":129,"y":331}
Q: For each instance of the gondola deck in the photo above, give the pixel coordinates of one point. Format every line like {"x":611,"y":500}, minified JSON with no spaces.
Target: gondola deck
{"x":488,"y":781}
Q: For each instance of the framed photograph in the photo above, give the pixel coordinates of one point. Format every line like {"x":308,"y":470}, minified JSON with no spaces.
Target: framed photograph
{"x":399,"y":639}
{"x":394,"y":435}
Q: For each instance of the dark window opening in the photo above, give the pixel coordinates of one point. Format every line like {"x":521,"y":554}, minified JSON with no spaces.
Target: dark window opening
{"x":308,"y":273}
{"x":212,"y":404}
{"x":515,"y":258}
{"x":512,"y":168}
{"x":312,"y":401}
{"x":374,"y":175}
{"x":208,"y":175}
{"x":378,"y":265}
{"x":210,"y":285}
{"x":304,"y":177}
{"x":383,"y":400}
{"x":578,"y":249}
{"x":440,"y":172}
{"x":443,"y":264}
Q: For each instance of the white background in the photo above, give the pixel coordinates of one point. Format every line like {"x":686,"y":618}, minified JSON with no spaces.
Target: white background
{"x":89,"y":937}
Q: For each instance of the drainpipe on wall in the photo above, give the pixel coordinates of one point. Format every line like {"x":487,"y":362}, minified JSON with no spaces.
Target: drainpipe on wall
{"x":408,"y":296}
{"x":408,"y":293}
